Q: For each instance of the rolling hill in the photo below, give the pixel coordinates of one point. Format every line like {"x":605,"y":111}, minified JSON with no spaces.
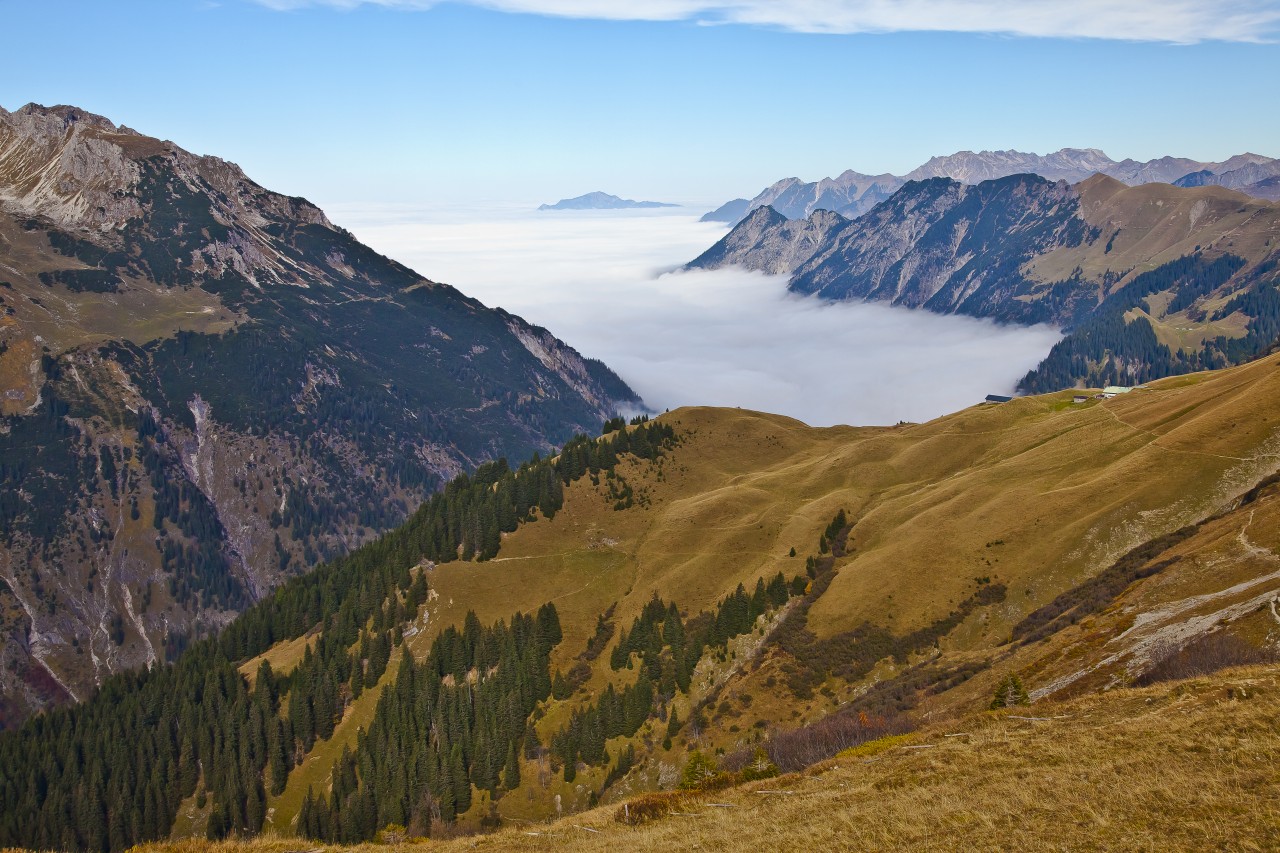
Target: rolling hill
{"x":207,"y":387}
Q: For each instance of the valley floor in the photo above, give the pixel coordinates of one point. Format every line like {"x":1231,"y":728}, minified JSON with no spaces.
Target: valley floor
{"x":1192,"y":765}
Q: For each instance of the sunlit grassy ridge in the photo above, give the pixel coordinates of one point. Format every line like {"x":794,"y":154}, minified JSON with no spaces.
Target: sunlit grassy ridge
{"x":1038,"y":495}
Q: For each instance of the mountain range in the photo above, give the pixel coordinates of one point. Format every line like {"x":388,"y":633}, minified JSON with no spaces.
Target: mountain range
{"x":1147,"y":281}
{"x":602,"y":201}
{"x":207,"y":388}
{"x":298,"y":547}
{"x":852,"y":194}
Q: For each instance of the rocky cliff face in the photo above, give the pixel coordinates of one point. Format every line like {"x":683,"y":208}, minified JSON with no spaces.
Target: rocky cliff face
{"x":936,"y":243}
{"x":207,"y":387}
{"x":949,"y":247}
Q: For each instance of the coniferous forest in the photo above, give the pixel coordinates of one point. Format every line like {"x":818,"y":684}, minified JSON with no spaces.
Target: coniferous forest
{"x":112,"y":771}
{"x":1112,"y":348}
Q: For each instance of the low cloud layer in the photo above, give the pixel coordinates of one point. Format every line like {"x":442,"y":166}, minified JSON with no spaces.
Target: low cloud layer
{"x":724,"y":338}
{"x":1177,"y":21}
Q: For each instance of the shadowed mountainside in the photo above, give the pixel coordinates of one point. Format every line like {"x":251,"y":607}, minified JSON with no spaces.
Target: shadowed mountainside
{"x":207,"y":387}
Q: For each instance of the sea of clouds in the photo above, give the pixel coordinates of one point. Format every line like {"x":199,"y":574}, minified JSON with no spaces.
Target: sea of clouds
{"x":607,"y":283}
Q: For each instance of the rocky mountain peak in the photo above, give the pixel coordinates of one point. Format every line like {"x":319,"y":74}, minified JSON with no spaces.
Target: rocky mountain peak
{"x":763,"y":217}
{"x":71,"y":115}
{"x":969,"y":167}
{"x":60,"y":162}
{"x":83,"y":172}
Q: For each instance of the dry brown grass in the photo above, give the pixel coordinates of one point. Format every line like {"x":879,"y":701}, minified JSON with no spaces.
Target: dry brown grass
{"x":1188,"y":766}
{"x":1039,"y":494}
{"x":1157,"y":223}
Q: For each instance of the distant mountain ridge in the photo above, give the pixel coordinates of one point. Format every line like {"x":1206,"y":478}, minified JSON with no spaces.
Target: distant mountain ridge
{"x":601,"y":201}
{"x":1149,"y":280}
{"x":207,"y":387}
{"x":852,"y":193}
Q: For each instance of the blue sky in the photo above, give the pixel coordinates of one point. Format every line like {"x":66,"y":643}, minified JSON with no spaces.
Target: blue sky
{"x":347,"y":101}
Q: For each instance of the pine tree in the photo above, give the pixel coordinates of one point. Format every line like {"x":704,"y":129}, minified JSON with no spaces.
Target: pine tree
{"x":511,"y":775}
{"x":355,"y":681}
{"x":461,"y":780}
{"x":1010,"y":692}
{"x":532,"y":746}
{"x":265,"y":684}
{"x":279,"y":758}
{"x":698,"y":771}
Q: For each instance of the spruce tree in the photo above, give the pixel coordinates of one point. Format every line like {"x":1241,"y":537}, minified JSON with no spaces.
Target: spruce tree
{"x":1010,"y":692}
{"x":511,"y":774}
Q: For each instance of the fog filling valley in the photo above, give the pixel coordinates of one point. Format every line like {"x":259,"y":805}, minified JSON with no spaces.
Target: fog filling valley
{"x":603,"y":282}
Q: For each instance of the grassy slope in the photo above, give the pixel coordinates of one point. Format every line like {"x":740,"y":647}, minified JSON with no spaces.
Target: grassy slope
{"x":1226,"y":578}
{"x":1040,"y":493}
{"x":1189,"y":766}
{"x":1153,"y":224}
{"x":1184,"y":766}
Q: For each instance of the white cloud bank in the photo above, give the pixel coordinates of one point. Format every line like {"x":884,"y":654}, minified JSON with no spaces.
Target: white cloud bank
{"x":724,"y":338}
{"x":1176,"y":21}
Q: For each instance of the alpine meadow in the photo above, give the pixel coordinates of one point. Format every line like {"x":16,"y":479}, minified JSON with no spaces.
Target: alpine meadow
{"x":356,"y":494}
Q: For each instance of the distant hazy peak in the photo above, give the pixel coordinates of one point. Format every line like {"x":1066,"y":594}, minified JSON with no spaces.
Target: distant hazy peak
{"x":730,"y":211}
{"x":601,"y":201}
{"x":971,"y":168}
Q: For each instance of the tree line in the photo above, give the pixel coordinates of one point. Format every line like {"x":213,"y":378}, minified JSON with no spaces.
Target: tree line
{"x":453,"y":722}
{"x":1106,"y":348}
{"x":110,"y":772}
{"x":664,"y":648}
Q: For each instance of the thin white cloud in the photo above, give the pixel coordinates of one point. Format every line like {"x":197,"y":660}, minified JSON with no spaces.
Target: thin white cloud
{"x":1175,"y":21}
{"x":723,"y":338}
